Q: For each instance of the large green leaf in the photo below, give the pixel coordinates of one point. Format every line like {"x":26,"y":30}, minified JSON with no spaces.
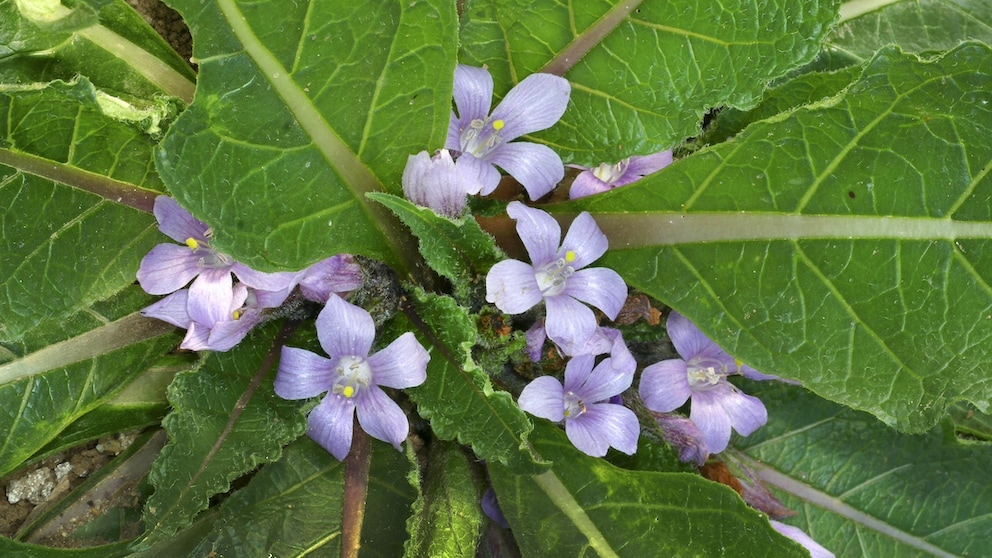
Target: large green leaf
{"x":844,"y":244}
{"x":861,"y":489}
{"x":301,"y":109}
{"x":586,"y":507}
{"x":642,"y":73}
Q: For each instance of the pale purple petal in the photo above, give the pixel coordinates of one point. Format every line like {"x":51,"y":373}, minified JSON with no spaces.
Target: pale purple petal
{"x":535,"y":341}
{"x":303,"y":374}
{"x":441,"y":184}
{"x":800,"y":536}
{"x":177,"y":223}
{"x":402,"y":364}
{"x":752,"y":374}
{"x":473,"y":94}
{"x":534,"y":104}
{"x":283,"y":280}
{"x":480,"y":171}
{"x":537,"y":167}
{"x":664,"y":385}
{"x":381,"y":417}
{"x":601,"y":384}
{"x":747,"y":413}
{"x":337,"y":274}
{"x":713,"y":421}
{"x":540,"y":232}
{"x":599,"y":286}
{"x":586,"y":184}
{"x":331,"y":423}
{"x":568,"y":321}
{"x":167,"y":268}
{"x":511,"y":286}
{"x":577,"y":373}
{"x":211,"y":297}
{"x":344,"y":329}
{"x":543,"y":398}
{"x":601,"y":426}
{"x":641,"y":166}
{"x":225,"y":335}
{"x":691,"y":343}
{"x":171,"y":309}
{"x":197,"y":338}
{"x":584,"y":239}
{"x":683,"y":434}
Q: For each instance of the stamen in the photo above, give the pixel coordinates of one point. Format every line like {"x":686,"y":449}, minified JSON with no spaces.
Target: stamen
{"x":236,"y":314}
{"x":348,"y":392}
{"x":498,"y":125}
{"x":192,"y":243}
{"x":570,"y":256}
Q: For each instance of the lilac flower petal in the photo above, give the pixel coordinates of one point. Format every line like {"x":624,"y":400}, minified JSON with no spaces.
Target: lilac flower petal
{"x":586,"y":240}
{"x":511,"y":286}
{"x":265,"y":281}
{"x":599,"y":286}
{"x":586,"y":184}
{"x":331,"y":423}
{"x":623,"y":360}
{"x":225,"y":335}
{"x":534,"y":104}
{"x":664,"y":385}
{"x":211,"y":297}
{"x":568,"y":321}
{"x":344,"y":329}
{"x":171,"y":309}
{"x":337,"y":274}
{"x":691,"y":343}
{"x":481,"y":171}
{"x":800,"y":536}
{"x":601,"y":426}
{"x":303,"y":374}
{"x":540,"y":232}
{"x":683,"y":434}
{"x":535,"y":341}
{"x":752,"y":374}
{"x":641,"y":166}
{"x":543,"y":398}
{"x":177,"y":223}
{"x":713,"y":421}
{"x":473,"y":93}
{"x":441,"y":184}
{"x":537,"y":167}
{"x":577,"y":374}
{"x":167,"y":268}
{"x":747,"y":413}
{"x":604,"y":382}
{"x":382,"y":418}
{"x":402,"y":364}
{"x":197,"y":338}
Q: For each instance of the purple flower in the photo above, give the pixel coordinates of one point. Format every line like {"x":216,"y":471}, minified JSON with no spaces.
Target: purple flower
{"x":351,"y":378}
{"x":482,"y":138}
{"x":717,"y":406}
{"x":169,"y":267}
{"x":556,"y":275}
{"x":441,"y":183}
{"x":683,"y":435}
{"x":604,"y":340}
{"x":607,"y":177}
{"x":335,"y":275}
{"x":798,"y":535}
{"x":490,"y":506}
{"x":592,"y":424}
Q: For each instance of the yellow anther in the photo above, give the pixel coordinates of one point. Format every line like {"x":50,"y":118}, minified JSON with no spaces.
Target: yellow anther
{"x":570,"y":256}
{"x":738,"y":363}
{"x":498,"y":125}
{"x":236,"y":314}
{"x":192,"y":243}
{"x":348,"y":392}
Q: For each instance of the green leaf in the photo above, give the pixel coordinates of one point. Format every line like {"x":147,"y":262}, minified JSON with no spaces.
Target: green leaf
{"x":863,"y":489}
{"x":584,"y":506}
{"x":867,"y":25}
{"x":458,"y":397}
{"x":447,"y":519}
{"x":971,"y":421}
{"x":226,"y":420}
{"x":42,"y":40}
{"x":292,"y":508}
{"x":64,"y":243}
{"x":658,"y":67}
{"x":61,"y":370}
{"x":844,"y":244}
{"x":457,"y":250}
{"x":302,"y":109}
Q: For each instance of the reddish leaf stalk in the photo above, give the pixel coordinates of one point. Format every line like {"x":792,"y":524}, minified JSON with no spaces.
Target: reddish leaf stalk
{"x":356,"y":490}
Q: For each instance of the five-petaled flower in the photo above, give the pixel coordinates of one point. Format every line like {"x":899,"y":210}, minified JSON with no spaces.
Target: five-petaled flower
{"x":351,"y":378}
{"x":591,"y":422}
{"x":606,"y":176}
{"x":701,"y":374}
{"x":482,"y":138}
{"x":441,"y":183}
{"x":556,"y":275}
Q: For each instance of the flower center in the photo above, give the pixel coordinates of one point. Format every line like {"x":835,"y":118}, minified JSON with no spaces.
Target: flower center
{"x":551,"y":277}
{"x":705,"y":372}
{"x":573,"y":405}
{"x":481,"y":137}
{"x":611,"y":173}
{"x":354,"y":374}
{"x":209,"y":258}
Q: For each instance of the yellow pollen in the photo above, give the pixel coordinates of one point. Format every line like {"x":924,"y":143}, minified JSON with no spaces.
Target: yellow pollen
{"x":738,"y":363}
{"x":236,"y":314}
{"x":570,"y":256}
{"x":498,"y":125}
{"x":348,"y":392}
{"x":192,"y":243}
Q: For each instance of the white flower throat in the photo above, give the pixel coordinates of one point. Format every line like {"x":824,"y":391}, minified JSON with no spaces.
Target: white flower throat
{"x":552,"y":277}
{"x":611,"y":173}
{"x":354,"y":374}
{"x":481,"y":136}
{"x":573,"y":405}
{"x":209,"y":258}
{"x":705,"y":372}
